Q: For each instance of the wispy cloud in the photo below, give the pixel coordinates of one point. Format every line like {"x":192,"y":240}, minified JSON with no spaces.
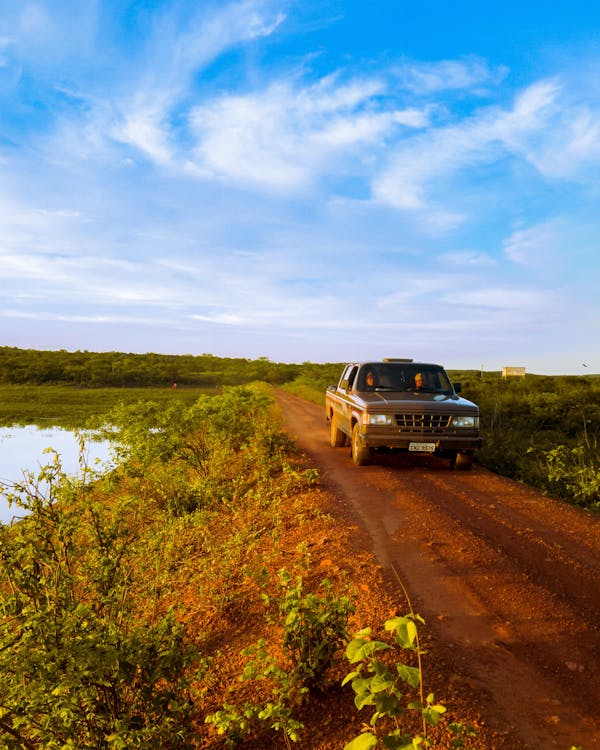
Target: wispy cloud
{"x":469,"y":73}
{"x":418,"y":164}
{"x":502,"y":298}
{"x":174,"y":54}
{"x":535,"y":246}
{"x":468,"y":258}
{"x":287,"y":136}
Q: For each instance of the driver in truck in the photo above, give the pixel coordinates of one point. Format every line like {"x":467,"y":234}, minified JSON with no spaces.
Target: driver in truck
{"x":370,"y":380}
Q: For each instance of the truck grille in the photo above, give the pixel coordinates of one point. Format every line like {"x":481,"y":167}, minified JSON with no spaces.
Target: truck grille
{"x":423,"y":422}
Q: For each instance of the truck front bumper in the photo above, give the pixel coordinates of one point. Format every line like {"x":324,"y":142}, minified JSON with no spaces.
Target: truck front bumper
{"x":374,"y":437}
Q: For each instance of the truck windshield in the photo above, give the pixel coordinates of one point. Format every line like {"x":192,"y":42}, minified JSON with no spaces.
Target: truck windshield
{"x":390,"y":376}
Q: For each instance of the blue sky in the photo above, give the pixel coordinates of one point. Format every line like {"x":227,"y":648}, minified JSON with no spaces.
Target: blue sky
{"x":303,"y":181}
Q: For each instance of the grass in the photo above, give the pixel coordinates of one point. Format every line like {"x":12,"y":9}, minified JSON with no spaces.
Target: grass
{"x":72,"y":408}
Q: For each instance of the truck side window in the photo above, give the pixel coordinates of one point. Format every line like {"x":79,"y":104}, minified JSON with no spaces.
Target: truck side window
{"x":344,"y":378}
{"x":352,"y":377}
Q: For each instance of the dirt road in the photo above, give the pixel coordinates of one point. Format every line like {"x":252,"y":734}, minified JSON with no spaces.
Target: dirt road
{"x":507,"y":580}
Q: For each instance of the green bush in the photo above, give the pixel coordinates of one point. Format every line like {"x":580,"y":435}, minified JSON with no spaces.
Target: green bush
{"x":314,"y":630}
{"x":541,"y":430}
{"x":383,"y":688}
{"x":78,"y":667}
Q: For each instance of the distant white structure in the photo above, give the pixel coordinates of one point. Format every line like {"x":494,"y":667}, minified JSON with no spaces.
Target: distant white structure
{"x":513,"y":372}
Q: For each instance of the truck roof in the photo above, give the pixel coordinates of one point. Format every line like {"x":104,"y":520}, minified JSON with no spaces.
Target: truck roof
{"x":396,"y":360}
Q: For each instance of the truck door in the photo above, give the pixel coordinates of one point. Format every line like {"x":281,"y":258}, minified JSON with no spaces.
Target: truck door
{"x":346,"y":383}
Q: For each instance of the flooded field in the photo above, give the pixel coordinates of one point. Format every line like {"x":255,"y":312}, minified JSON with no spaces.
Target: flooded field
{"x":22,"y":449}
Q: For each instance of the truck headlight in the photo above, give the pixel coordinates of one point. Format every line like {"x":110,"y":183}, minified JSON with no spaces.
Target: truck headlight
{"x":463,"y":421}
{"x":379,"y":419}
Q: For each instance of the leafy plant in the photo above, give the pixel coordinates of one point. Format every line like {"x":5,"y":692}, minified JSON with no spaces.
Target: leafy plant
{"x":277,"y":713}
{"x":78,"y":666}
{"x":575,"y":472}
{"x":314,"y":629}
{"x":378,"y":685}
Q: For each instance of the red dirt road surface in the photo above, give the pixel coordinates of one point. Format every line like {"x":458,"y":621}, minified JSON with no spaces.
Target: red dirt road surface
{"x":507,"y":580}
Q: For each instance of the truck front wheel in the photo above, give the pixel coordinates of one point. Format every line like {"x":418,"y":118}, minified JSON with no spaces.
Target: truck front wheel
{"x":463,"y":461}
{"x":361,"y":454}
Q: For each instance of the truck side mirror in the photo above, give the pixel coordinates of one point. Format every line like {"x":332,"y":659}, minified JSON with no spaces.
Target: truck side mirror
{"x":457,"y":388}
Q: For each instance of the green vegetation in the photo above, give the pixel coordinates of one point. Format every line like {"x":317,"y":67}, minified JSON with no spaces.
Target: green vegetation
{"x":73,"y":408}
{"x":383,"y":687}
{"x":67,"y":389}
{"x":80,"y":665}
{"x":95,"y":645}
{"x":116,"y":589}
{"x":314,"y":629}
{"x":541,"y":430}
{"x":121,"y":370}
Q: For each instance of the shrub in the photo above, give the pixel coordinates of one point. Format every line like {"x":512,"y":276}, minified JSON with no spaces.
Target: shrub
{"x":78,"y":667}
{"x":314,"y":629}
{"x":382,"y":687}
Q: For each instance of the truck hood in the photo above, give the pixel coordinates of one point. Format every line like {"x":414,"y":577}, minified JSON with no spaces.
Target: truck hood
{"x":397,"y":400}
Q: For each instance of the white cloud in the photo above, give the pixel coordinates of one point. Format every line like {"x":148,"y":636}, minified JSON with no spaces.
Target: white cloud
{"x":140,"y":107}
{"x":145,"y":130}
{"x":285,"y":137}
{"x":432,"y":77}
{"x":554,"y":131}
{"x":467,"y":258}
{"x":539,"y":245}
{"x":502,"y":298}
{"x":416,"y":163}
{"x":421,"y":164}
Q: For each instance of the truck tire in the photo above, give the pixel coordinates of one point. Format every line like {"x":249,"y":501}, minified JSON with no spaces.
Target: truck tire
{"x":361,"y":454}
{"x":463,"y":461}
{"x":337,"y":438}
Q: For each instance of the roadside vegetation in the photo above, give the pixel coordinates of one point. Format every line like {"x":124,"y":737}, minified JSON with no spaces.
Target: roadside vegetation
{"x":197,"y":596}
{"x":541,"y":430}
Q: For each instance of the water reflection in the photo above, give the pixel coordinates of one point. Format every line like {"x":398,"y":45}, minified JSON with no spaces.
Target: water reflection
{"x":22,"y":449}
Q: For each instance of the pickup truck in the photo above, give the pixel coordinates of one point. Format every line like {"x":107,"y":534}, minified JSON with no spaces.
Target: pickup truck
{"x":402,"y":405}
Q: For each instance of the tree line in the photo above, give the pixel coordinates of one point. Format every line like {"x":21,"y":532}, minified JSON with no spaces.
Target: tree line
{"x":86,"y":369}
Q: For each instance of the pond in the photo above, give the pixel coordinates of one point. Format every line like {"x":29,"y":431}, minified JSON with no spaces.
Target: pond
{"x":22,"y":449}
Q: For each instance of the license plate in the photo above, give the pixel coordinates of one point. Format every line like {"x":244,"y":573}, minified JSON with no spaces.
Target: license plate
{"x":421,"y":447}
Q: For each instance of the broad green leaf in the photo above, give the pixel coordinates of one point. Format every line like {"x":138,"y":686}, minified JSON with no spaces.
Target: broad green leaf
{"x":361,"y":684}
{"x":364,"y":741}
{"x":350,"y":676}
{"x":410,"y":675}
{"x":363,"y":699}
{"x":432,"y":715}
{"x":379,"y":683}
{"x":388,"y":705}
{"x":405,"y":630}
{"x":359,"y":649}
